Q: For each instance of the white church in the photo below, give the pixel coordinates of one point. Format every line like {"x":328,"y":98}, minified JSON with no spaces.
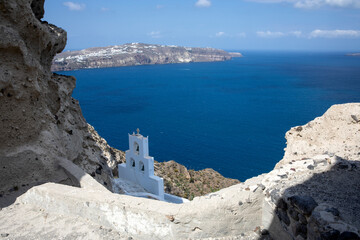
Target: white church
{"x":139,"y":170}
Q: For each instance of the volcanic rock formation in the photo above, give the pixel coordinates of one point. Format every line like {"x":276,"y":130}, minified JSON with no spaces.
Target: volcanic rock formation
{"x":41,"y":123}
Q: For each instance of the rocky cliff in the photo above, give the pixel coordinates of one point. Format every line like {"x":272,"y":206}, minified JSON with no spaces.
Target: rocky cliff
{"x":56,"y":170}
{"x":40,"y":123}
{"x":136,"y":54}
{"x":325,"y":135}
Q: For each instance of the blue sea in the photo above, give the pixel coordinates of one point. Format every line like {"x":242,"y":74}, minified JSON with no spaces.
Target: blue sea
{"x":230,"y":116}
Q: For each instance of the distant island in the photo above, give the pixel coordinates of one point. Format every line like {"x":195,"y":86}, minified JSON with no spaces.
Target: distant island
{"x":353,"y":54}
{"x":136,"y":54}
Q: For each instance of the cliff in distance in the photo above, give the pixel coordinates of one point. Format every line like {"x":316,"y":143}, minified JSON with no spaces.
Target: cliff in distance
{"x":136,"y":54}
{"x":353,"y":54}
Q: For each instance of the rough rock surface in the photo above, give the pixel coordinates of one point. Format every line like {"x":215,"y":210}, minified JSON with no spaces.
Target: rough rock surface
{"x":336,"y":132}
{"x":40,"y":122}
{"x":136,"y":54}
{"x":291,"y":202}
{"x":313,"y":196}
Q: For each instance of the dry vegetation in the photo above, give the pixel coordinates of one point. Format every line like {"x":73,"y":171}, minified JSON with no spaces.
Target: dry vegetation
{"x":190,"y":183}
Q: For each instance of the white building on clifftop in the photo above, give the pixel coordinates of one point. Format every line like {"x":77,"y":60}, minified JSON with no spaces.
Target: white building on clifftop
{"x":139,"y":169}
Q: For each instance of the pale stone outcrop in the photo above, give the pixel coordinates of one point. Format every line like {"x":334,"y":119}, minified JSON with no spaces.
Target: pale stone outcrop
{"x":310,"y":198}
{"x":226,"y":213}
{"x":336,"y":132}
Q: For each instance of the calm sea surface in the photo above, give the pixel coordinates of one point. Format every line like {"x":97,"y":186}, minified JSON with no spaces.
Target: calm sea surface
{"x":230,"y":116}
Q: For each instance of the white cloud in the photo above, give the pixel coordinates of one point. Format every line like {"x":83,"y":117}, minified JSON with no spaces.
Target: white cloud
{"x":314,"y":34}
{"x":334,"y":34}
{"x":203,"y":3}
{"x":241,"y":35}
{"x":344,"y":3}
{"x":74,"y":6}
{"x":271,"y":1}
{"x":308,"y":3}
{"x":316,"y":3}
{"x":269,"y":34}
{"x":159,"y":6}
{"x":227,"y":35}
{"x":219,"y":34}
{"x":295,"y":33}
{"x":155,"y":34}
{"x":332,"y":3}
{"x":104,"y":9}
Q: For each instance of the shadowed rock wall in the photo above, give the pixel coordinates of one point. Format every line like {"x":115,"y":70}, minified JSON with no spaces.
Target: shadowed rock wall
{"x":39,"y":120}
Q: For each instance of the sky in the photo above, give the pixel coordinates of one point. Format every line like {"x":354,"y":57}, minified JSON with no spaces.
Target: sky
{"x":294,"y":25}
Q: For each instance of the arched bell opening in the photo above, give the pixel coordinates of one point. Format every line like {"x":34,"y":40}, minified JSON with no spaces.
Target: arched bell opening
{"x":141,"y":166}
{"x":132,"y":162}
{"x":136,"y":148}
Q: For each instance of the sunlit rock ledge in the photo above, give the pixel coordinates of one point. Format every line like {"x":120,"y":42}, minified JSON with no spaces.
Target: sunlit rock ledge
{"x":312,"y":196}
